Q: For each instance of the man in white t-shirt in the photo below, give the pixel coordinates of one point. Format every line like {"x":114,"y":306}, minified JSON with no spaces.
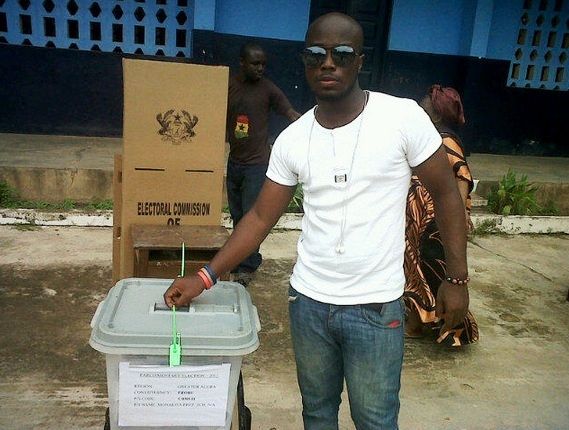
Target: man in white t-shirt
{"x":353,"y":155}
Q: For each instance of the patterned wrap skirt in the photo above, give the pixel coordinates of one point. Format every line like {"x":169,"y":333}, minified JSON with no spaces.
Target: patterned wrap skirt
{"x":424,"y":265}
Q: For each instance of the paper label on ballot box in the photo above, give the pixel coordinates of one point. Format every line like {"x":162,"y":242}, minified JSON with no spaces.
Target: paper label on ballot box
{"x":173,"y":396}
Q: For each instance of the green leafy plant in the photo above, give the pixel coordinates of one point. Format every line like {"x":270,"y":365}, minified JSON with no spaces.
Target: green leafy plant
{"x":487,"y":226}
{"x":26,"y":227}
{"x":99,"y":205}
{"x":8,"y":196}
{"x":549,"y":208}
{"x":35,"y":204}
{"x":514,"y":196}
{"x":66,"y":205}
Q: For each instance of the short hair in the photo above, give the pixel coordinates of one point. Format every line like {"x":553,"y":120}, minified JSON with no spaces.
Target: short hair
{"x":246,"y":48}
{"x":356,"y":27}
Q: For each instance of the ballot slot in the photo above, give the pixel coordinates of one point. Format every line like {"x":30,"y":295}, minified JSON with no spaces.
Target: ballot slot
{"x":197,"y":308}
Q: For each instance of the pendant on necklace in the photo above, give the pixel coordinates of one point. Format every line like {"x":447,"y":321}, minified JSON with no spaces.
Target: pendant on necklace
{"x":340,"y":178}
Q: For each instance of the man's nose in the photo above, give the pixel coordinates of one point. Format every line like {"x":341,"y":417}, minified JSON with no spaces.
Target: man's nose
{"x":328,"y":61}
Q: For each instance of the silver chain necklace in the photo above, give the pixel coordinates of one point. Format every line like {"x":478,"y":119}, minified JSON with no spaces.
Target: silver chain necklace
{"x":340,"y":248}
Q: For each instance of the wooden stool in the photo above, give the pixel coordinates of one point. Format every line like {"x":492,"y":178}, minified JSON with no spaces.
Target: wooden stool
{"x":201,"y":242}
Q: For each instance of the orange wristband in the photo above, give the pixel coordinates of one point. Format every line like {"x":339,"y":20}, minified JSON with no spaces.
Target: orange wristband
{"x":207,"y":282}
{"x":206,"y":273}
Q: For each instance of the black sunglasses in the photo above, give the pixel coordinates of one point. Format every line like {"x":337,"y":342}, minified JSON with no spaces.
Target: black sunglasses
{"x":342,"y":55}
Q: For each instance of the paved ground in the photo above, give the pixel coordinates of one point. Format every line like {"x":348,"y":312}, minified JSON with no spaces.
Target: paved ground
{"x":51,"y":280}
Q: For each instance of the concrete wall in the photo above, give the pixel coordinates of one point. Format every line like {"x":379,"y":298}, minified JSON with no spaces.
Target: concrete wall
{"x":460,"y":43}
{"x":436,"y":26}
{"x":60,"y":91}
{"x":277,"y":19}
{"x":478,"y":28}
{"x":503,"y":29}
{"x":204,"y":14}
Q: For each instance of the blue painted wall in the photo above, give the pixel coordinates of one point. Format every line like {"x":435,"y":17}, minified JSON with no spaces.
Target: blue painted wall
{"x":277,"y":19}
{"x":204,"y":14}
{"x":478,"y":28}
{"x":467,"y":44}
{"x":436,"y":26}
{"x":505,"y":24}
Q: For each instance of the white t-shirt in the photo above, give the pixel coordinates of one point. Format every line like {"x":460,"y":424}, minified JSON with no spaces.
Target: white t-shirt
{"x":355,"y":180}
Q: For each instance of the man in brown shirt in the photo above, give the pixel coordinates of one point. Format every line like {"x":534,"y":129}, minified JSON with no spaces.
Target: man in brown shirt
{"x":251,"y":98}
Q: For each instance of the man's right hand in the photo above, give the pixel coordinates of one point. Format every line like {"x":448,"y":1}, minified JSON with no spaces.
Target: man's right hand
{"x":183,"y":290}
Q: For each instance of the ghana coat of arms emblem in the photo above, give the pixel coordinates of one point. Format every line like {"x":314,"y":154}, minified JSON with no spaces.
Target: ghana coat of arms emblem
{"x":176,"y":126}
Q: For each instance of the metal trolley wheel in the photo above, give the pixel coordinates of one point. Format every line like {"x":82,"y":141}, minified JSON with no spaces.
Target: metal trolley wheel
{"x":243,"y":412}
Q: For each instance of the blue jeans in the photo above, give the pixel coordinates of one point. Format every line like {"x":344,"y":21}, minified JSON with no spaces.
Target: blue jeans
{"x":362,"y":344}
{"x":244,"y":182}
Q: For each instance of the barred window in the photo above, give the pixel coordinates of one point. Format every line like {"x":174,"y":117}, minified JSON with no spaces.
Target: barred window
{"x":540,"y":57}
{"x":152,"y":27}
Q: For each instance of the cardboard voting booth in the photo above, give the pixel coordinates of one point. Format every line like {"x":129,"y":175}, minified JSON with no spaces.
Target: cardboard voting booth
{"x":172,"y":166}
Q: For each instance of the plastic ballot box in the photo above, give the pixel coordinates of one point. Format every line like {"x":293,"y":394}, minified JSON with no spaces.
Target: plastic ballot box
{"x":134,"y":329}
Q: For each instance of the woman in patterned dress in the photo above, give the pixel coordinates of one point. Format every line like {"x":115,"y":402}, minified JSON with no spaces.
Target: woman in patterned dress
{"x":424,"y":265}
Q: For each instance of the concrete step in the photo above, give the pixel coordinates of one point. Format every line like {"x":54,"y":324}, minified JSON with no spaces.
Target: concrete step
{"x":55,"y":168}
{"x":478,"y":201}
{"x":484,"y":222}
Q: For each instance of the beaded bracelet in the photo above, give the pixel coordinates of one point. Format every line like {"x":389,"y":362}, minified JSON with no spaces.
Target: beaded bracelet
{"x":457,"y":281}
